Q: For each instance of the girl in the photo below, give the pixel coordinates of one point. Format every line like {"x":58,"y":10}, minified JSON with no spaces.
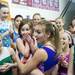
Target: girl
{"x":17,"y":21}
{"x":6,"y":27}
{"x":72,"y":30}
{"x":60,"y":25}
{"x":6,"y":59}
{"x":63,"y":67}
{"x":46,"y":56}
{"x":36,"y":18}
{"x":25,"y":52}
{"x":25,"y":29}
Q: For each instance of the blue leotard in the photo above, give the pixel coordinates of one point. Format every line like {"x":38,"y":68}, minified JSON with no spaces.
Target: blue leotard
{"x":5,"y":26}
{"x":16,"y":35}
{"x":51,"y":61}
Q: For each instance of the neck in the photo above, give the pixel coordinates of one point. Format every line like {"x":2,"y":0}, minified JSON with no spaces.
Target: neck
{"x":16,"y":29}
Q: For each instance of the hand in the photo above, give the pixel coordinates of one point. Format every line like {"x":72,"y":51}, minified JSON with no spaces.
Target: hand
{"x":65,"y":64}
{"x":4,"y":68}
{"x":9,"y":65}
{"x":28,"y":38}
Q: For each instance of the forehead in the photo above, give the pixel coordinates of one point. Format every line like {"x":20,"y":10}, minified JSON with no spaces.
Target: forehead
{"x":36,"y":16}
{"x":59,"y":20}
{"x":39,"y":27}
{"x":25,"y":26}
{"x":63,"y":36}
{"x":4,"y":9}
{"x":18,"y":18}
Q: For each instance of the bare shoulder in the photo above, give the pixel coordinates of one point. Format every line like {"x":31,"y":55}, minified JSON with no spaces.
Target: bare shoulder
{"x":11,"y":51}
{"x":19,"y":40}
{"x":41,"y":54}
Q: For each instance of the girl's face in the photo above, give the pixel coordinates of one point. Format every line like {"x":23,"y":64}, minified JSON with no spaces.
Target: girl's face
{"x":64,"y":40}
{"x":39,"y":33}
{"x":73,"y":22}
{"x":60,"y":23}
{"x":18,"y":21}
{"x":25,"y":30}
{"x":36,"y":19}
{"x":4,"y":12}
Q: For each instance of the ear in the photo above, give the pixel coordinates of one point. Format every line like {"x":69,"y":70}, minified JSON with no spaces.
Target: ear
{"x":48,"y":34}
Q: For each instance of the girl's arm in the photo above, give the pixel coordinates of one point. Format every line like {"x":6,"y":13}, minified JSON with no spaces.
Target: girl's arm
{"x":12,"y":53}
{"x":38,"y":57}
{"x":32,"y":42}
{"x":24,"y":49}
{"x":33,"y":45}
{"x":7,"y":66}
{"x":70,"y":68}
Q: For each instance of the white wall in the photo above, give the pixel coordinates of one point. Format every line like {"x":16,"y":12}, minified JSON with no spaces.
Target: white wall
{"x":25,"y":10}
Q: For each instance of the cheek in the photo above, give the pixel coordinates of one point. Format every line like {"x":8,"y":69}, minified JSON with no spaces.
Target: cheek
{"x":38,"y":37}
{"x":65,"y":43}
{"x":41,"y":37}
{"x":26,"y":32}
{"x":16,"y":23}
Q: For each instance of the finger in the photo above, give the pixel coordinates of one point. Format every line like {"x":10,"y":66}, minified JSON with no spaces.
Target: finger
{"x":16,"y":51}
{"x":3,"y":70}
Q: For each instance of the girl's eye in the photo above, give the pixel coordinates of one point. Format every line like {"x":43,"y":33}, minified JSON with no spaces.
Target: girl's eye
{"x":38,"y":32}
{"x":23,"y":29}
{"x":5,"y":12}
{"x":27,"y":29}
{"x":18,"y":20}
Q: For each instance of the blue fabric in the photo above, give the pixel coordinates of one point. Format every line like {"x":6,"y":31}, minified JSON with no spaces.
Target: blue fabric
{"x":39,"y":45}
{"x":51,"y":61}
{"x":5,"y":26}
{"x":20,"y":55}
{"x":6,"y":40}
{"x":16,"y":35}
